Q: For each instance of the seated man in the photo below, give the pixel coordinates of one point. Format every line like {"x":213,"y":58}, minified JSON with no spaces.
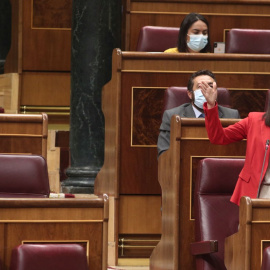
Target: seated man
{"x":194,"y":109}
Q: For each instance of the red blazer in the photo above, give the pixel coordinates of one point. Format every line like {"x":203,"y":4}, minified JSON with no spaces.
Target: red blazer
{"x":253,"y":129}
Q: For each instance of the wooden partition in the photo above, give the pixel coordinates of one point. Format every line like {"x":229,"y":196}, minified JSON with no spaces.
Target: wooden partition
{"x":79,"y":220}
{"x":177,"y":169}
{"x":221,"y":15}
{"x":40,"y":56}
{"x":244,"y":249}
{"x":26,"y":134}
{"x":132,"y":103}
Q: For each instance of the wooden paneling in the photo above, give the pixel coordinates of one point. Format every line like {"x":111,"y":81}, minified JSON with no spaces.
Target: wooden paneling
{"x":45,"y":89}
{"x":244,"y":249}
{"x":220,"y":14}
{"x":177,"y":169}
{"x":137,"y":213}
{"x":80,"y":221}
{"x":51,"y":14}
{"x":24,"y":134}
{"x":40,"y":53}
{"x":147,"y":108}
{"x":41,"y":36}
{"x":46,"y":41}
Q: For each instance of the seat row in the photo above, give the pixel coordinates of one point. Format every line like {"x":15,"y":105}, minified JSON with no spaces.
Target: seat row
{"x":158,"y":39}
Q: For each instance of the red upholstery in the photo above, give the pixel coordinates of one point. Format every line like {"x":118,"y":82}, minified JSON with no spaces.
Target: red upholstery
{"x":252,"y":41}
{"x":266,"y":259}
{"x":175,"y":96}
{"x":157,"y":38}
{"x":215,"y":216}
{"x":23,"y":176}
{"x":49,"y":256}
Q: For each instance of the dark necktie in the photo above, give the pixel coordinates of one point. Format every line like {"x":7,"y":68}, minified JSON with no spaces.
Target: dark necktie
{"x":201,"y":115}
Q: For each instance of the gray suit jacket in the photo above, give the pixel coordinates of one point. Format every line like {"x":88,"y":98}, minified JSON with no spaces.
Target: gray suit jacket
{"x":186,"y":111}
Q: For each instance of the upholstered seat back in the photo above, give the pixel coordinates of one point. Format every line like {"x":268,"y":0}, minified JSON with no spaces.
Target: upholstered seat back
{"x":157,"y":38}
{"x":215,"y":216}
{"x":251,"y":41}
{"x":266,"y":259}
{"x":23,"y":176}
{"x":49,"y":256}
{"x":175,"y":96}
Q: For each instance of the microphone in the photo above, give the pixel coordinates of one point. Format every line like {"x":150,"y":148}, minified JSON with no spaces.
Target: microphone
{"x":266,"y":148}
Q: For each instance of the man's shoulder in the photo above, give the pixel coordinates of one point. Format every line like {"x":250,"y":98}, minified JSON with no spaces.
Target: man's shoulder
{"x":178,"y":109}
{"x":226,"y":108}
{"x":228,"y":112}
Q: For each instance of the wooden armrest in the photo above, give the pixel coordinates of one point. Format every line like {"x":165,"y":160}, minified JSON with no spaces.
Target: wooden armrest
{"x":204,"y":247}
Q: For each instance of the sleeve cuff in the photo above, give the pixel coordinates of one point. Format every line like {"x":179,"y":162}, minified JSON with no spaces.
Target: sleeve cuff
{"x":205,"y":108}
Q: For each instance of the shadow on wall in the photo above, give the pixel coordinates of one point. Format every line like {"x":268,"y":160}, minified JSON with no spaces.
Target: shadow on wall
{"x":5,"y":31}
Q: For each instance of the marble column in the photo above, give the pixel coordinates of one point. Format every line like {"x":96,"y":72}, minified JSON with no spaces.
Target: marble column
{"x":96,"y":30}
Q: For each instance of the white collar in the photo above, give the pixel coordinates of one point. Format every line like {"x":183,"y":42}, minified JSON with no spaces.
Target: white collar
{"x":196,"y":111}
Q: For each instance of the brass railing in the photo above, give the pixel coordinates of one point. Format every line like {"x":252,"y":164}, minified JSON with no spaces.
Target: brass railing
{"x":128,"y":243}
{"x":50,"y":110}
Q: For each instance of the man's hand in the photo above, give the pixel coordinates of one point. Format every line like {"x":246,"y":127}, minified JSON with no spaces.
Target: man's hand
{"x":210,"y":93}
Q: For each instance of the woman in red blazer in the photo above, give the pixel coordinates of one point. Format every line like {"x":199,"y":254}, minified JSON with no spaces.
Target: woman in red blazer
{"x":255,"y":128}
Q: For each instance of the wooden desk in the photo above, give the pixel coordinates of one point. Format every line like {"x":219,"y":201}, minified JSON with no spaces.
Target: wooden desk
{"x":177,"y":170}
{"x":244,"y":249}
{"x":220,"y":14}
{"x":79,"y":220}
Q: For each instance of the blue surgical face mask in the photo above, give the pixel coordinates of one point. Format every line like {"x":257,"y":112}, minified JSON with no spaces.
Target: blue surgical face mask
{"x":197,"y":42}
{"x":199,"y":98}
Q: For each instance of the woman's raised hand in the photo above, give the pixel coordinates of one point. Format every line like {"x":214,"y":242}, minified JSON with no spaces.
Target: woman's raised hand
{"x":210,"y":93}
